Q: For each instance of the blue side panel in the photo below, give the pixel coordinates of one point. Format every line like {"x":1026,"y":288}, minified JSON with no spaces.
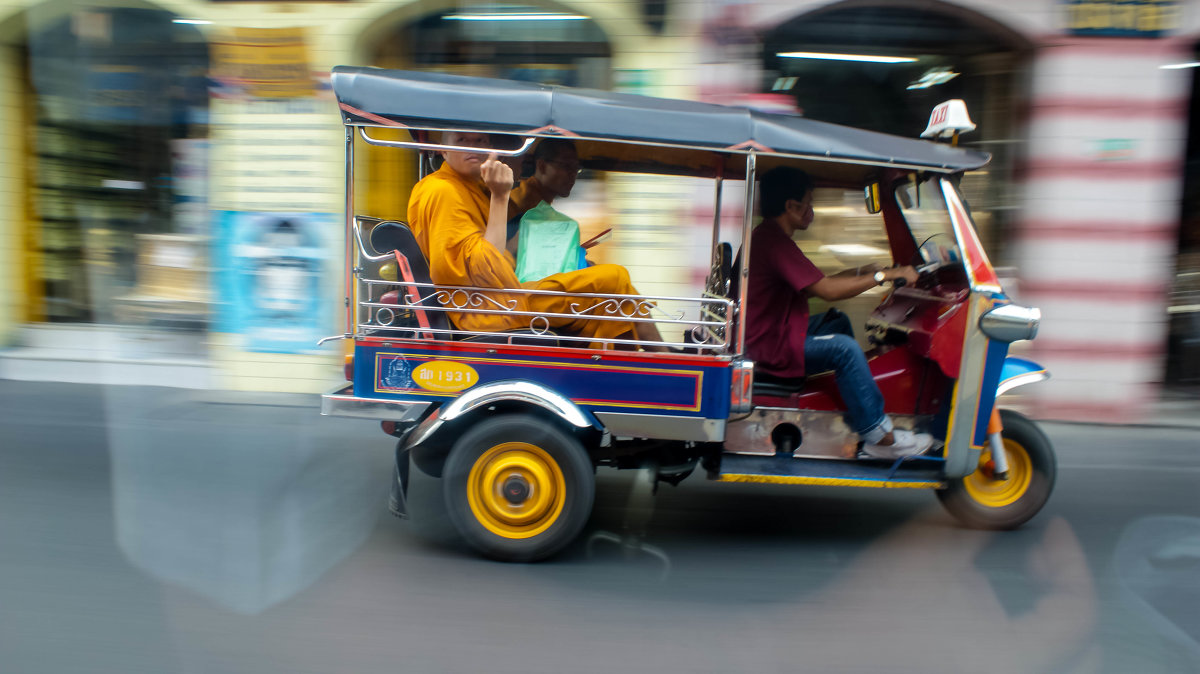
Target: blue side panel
{"x":1015,"y":367}
{"x":611,"y":384}
{"x":992,"y":369}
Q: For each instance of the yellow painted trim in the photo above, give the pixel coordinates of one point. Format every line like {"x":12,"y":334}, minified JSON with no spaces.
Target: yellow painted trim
{"x":698,"y":375}
{"x":953,"y":411}
{"x":831,"y":481}
{"x":619,"y":368}
{"x":638,"y":406}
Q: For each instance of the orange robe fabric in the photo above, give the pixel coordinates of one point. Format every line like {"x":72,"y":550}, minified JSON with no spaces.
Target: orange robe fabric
{"x":448,"y":215}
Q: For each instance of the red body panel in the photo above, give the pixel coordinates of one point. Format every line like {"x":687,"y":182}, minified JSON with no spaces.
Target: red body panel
{"x":914,"y":376}
{"x":910,"y":385}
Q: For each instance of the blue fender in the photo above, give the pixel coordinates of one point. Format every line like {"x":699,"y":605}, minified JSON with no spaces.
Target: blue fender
{"x":1019,"y":372}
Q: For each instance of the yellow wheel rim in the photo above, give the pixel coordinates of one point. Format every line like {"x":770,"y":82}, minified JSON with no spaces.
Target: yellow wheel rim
{"x":516,"y":490}
{"x":987,"y":491}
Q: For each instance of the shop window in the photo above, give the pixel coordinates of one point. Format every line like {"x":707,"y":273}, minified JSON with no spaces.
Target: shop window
{"x":119,"y":116}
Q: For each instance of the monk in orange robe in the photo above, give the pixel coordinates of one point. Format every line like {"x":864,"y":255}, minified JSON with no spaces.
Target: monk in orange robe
{"x":459,"y":215}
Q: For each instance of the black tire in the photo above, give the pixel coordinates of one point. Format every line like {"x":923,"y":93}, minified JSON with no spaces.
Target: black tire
{"x":982,"y":502}
{"x":518,"y":488}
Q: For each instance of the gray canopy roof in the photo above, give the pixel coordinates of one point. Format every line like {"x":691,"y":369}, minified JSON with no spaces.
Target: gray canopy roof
{"x":597,"y":119}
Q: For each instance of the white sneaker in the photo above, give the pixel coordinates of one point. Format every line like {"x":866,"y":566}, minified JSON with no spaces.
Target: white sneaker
{"x":907,"y":444}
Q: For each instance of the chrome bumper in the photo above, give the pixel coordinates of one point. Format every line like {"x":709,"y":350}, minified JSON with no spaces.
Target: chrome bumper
{"x":341,"y":402}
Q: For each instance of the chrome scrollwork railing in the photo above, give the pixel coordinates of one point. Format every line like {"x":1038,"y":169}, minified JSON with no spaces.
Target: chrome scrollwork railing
{"x":393,"y":308}
{"x":704,"y":330}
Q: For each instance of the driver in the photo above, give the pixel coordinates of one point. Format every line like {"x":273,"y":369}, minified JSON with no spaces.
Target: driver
{"x":783,"y":341}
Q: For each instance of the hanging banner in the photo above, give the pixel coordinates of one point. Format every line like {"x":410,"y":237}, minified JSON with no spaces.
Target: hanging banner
{"x":269,"y":268}
{"x":263,"y":63}
{"x":1122,"y":18}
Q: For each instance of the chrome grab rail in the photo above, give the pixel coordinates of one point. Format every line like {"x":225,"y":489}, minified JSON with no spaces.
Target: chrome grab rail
{"x":548,"y":336}
{"x":362,"y":247}
{"x":437,"y":147}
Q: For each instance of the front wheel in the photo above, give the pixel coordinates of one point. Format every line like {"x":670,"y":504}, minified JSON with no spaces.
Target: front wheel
{"x":980,"y":500}
{"x":518,"y":488}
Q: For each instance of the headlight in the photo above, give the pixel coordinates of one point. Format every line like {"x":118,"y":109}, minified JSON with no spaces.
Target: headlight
{"x":1010,"y":323}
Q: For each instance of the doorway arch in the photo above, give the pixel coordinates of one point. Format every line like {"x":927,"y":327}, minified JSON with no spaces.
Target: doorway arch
{"x":913,"y":55}
{"x":429,"y":36}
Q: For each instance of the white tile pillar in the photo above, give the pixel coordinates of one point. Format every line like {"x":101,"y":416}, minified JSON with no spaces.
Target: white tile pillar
{"x":1097,"y":235}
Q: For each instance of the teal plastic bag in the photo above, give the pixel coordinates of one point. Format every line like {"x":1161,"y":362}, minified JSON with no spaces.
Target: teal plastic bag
{"x":547,"y":244}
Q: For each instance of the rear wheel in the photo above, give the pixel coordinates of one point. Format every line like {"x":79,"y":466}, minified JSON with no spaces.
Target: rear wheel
{"x":982,"y":501}
{"x":518,"y":488}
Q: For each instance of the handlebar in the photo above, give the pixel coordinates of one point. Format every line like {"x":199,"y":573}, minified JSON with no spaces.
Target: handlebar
{"x":921,"y":271}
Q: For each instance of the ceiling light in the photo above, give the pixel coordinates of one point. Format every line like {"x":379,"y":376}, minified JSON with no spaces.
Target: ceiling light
{"x":934,"y":77}
{"x":526,"y":16}
{"x":784,"y":84}
{"x":1180,"y":66}
{"x":866,"y":58}
{"x":192,"y":22}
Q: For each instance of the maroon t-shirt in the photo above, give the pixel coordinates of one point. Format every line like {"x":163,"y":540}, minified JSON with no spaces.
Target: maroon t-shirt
{"x":777,"y":311}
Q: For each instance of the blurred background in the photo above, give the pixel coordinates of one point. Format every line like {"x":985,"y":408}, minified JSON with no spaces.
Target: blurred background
{"x":172,"y":183}
{"x":171,"y":238}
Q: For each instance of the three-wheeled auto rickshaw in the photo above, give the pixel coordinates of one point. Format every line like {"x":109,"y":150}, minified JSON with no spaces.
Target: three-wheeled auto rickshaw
{"x":515,"y":422}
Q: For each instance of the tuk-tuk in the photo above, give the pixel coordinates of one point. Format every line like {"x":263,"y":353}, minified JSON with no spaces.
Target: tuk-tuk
{"x":515,"y":422}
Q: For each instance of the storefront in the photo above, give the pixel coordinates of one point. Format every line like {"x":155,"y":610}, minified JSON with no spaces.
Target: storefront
{"x":208,"y":123}
{"x":1080,"y":104}
{"x":173,"y":178}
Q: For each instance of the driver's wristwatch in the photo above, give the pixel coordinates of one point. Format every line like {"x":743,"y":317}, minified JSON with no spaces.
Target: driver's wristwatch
{"x":879,"y":278}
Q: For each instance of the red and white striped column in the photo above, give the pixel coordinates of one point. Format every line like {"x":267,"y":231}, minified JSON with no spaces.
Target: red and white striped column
{"x":1096,"y":242}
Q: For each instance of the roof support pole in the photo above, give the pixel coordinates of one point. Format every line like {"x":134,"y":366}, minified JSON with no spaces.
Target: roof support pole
{"x":744,"y":281}
{"x":351,"y":262}
{"x":716,"y":232}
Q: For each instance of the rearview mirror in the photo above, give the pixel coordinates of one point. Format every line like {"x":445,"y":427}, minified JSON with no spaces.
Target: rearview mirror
{"x":871,"y":193}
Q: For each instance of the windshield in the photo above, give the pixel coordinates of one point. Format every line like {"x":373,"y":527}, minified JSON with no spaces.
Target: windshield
{"x":924,"y":209}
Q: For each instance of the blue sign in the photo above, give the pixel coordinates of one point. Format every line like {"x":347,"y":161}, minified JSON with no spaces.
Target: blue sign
{"x":269,"y":278}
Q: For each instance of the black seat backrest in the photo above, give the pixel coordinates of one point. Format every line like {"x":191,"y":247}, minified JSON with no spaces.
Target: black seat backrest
{"x":767,"y":384}
{"x":735,"y":277}
{"x":389,"y":236}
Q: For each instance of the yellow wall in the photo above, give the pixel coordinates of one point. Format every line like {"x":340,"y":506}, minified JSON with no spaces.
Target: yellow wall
{"x":338,"y":33}
{"x":12,"y":197}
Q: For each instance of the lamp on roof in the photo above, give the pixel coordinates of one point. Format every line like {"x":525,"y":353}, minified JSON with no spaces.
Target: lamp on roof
{"x":948,"y":120}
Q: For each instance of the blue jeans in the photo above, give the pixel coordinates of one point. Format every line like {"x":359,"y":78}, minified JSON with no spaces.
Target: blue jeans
{"x":830,"y":345}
